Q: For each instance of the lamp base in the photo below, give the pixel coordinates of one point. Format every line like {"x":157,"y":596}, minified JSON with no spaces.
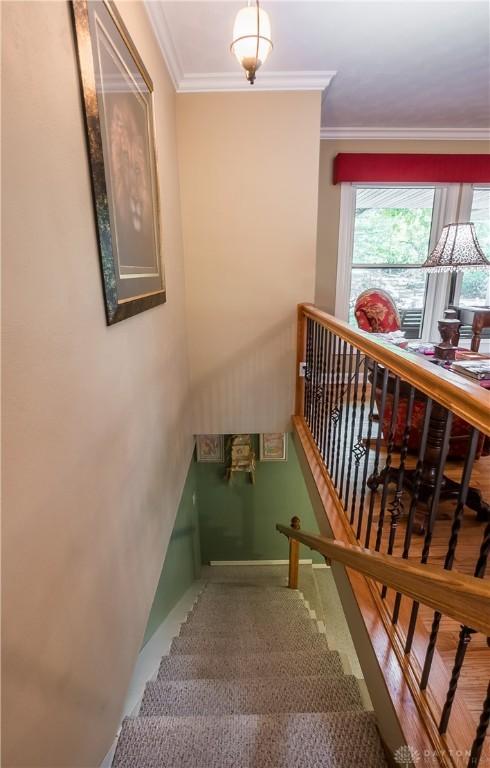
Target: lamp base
{"x":445,"y":352}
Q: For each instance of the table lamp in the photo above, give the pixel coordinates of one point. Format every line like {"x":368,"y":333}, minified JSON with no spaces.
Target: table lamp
{"x":457,"y":249}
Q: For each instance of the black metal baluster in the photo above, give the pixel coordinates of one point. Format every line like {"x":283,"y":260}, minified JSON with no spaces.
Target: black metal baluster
{"x":348,"y":414}
{"x":314,"y":376}
{"x":309,"y":346}
{"x":444,"y":448}
{"x":323,"y":419}
{"x":417,"y":481}
{"x":331,"y":396}
{"x":320,"y":387}
{"x":340,"y":404}
{"x":396,"y":507}
{"x":353,"y":428}
{"x":363,"y":448}
{"x":386,"y":472}
{"x":335,"y":410}
{"x":453,"y":541}
{"x":373,"y":485}
{"x":481,"y":732}
{"x":464,"y":637}
{"x":326,"y":399}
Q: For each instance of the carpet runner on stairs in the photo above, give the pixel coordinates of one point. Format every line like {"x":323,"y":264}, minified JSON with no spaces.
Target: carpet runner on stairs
{"x":250,"y":683}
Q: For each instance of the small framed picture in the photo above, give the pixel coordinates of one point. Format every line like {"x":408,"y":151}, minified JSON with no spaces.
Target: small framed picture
{"x":274,"y":446}
{"x":210,"y":448}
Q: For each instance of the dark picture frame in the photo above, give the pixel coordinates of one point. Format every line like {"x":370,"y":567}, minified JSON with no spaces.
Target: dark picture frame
{"x":117,"y":94}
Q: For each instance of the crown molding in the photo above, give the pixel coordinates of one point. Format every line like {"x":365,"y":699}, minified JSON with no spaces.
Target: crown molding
{"x":438,"y":134}
{"x":162,"y":33}
{"x":207,"y":82}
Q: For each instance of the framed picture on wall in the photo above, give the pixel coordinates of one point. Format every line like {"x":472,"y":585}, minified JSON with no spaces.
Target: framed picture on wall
{"x":274,"y":446}
{"x":117,"y":95}
{"x":210,"y":448}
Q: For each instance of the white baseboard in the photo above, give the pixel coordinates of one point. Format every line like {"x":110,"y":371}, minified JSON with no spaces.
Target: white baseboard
{"x":320,"y":565}
{"x":257,"y":562}
{"x":148,"y":661}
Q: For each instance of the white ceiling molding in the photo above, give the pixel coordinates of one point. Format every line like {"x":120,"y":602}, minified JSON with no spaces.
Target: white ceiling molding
{"x":438,"y":134}
{"x":162,"y":33}
{"x":267,"y":81}
{"x":207,"y":82}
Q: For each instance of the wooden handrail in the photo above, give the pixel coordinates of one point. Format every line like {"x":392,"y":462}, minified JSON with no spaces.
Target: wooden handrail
{"x":464,"y":398}
{"x":463,"y":598}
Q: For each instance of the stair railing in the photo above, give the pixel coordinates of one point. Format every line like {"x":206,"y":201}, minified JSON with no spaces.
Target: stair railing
{"x":393,"y":443}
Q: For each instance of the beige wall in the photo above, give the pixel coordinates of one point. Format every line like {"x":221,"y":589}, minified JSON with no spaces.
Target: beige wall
{"x":96,"y":439}
{"x":329,"y":199}
{"x":249,"y":186}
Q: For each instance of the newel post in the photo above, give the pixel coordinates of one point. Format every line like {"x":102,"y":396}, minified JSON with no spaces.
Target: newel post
{"x":294,"y":555}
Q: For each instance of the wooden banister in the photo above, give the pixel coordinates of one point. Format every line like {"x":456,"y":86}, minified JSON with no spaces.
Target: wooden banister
{"x":468,"y":400}
{"x":463,"y":598}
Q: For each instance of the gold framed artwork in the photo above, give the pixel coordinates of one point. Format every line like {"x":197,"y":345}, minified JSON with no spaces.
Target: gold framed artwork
{"x":210,"y":448}
{"x":274,"y":446}
{"x":117,"y":96}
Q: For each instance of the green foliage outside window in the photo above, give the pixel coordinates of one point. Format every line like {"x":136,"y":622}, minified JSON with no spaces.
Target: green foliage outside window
{"x":391,"y":235}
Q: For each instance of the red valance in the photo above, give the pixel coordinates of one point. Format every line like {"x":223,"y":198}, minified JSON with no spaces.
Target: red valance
{"x":381,"y":167}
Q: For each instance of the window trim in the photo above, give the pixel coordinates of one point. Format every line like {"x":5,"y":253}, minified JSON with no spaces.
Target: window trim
{"x":464,"y":214}
{"x":445,"y":210}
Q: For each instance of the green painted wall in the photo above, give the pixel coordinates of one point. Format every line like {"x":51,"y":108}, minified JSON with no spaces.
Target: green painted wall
{"x":237,"y":521}
{"x":183,"y":559}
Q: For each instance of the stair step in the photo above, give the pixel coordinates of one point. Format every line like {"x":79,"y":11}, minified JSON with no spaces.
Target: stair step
{"x":250,"y":697}
{"x":251,"y":603}
{"x":259,"y":628}
{"x":254,"y":590}
{"x":250,"y":665}
{"x":333,"y":740}
{"x":249,"y":642}
{"x":237,"y":606}
{"x":239,"y":617}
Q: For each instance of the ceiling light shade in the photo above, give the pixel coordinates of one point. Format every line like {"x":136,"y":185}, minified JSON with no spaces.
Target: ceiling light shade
{"x":251,"y":39}
{"x":457,"y":249}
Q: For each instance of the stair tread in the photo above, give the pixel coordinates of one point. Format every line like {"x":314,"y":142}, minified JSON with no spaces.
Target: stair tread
{"x":317,"y":693}
{"x":262,"y":628}
{"x":181,"y":666}
{"x":217,"y":645}
{"x":327,"y":740}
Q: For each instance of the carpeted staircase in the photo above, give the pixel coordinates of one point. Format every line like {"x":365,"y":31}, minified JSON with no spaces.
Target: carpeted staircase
{"x":250,"y":683}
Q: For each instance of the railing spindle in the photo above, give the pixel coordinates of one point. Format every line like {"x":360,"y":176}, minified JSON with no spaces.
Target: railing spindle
{"x":363,"y":449}
{"x":396,"y":507}
{"x":432,"y":516}
{"x":373,"y":480}
{"x":353,"y":430}
{"x":417,"y":481}
{"x":453,"y":541}
{"x":481,"y":732}
{"x":348,"y":415}
{"x":464,"y":637}
{"x":340,"y":405}
{"x":386,"y":471}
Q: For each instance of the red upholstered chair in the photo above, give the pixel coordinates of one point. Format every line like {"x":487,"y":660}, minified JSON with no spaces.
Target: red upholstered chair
{"x":376,"y":311}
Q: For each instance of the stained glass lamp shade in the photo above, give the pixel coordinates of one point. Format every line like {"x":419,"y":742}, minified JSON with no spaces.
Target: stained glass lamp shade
{"x":457,"y":249}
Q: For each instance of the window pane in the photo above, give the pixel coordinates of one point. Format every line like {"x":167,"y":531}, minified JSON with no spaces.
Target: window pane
{"x":475,"y":287}
{"x":406,"y":287}
{"x":392,"y":226}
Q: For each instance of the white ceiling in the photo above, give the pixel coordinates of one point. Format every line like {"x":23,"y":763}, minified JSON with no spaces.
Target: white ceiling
{"x":394,"y":67}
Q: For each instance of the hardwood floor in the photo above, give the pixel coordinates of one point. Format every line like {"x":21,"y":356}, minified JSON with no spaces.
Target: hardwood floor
{"x":475,"y":673}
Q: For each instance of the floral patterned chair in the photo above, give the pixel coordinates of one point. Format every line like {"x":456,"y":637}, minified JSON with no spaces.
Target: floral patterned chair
{"x":376,"y":311}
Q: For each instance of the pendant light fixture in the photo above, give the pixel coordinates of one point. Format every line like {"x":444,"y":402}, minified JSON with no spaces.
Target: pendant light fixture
{"x":251,"y":38}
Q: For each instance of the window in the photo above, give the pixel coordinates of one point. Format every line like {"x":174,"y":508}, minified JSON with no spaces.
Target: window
{"x":475,"y":285}
{"x":391,"y":238}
